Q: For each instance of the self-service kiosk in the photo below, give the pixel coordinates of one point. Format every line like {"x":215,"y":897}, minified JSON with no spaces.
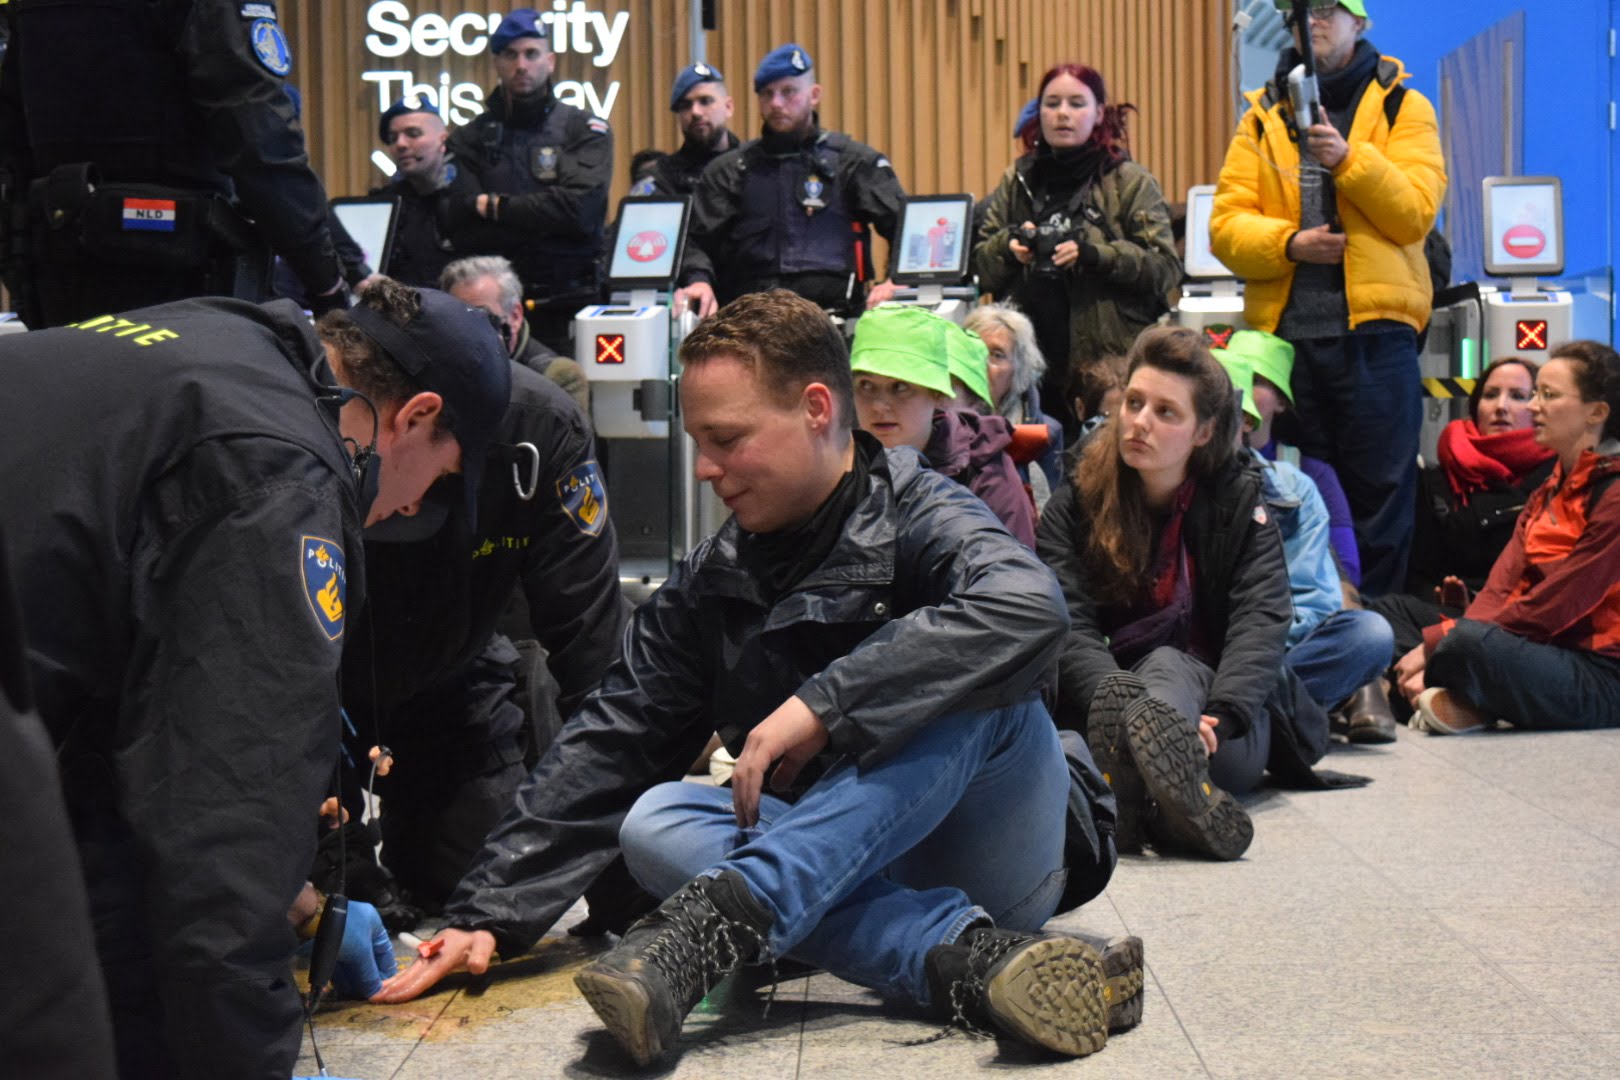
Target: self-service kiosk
{"x":930,"y":260}
{"x":1524,"y":241}
{"x":1212,"y":296}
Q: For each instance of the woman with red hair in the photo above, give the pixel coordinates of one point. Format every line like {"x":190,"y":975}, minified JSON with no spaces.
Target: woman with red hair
{"x":1078,"y":235}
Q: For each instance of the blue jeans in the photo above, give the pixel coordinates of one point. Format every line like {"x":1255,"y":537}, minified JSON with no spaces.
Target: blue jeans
{"x":1360,"y":408}
{"x":874,"y":866}
{"x":1346,"y":651}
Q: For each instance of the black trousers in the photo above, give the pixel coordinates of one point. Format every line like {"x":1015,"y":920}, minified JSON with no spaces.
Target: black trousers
{"x":1183,"y":682}
{"x":1528,"y":684}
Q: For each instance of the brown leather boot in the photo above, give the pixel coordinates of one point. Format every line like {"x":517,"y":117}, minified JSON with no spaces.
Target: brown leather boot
{"x":1368,"y":715}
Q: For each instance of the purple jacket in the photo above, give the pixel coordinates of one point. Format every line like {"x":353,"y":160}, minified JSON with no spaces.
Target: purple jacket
{"x":972,"y":450}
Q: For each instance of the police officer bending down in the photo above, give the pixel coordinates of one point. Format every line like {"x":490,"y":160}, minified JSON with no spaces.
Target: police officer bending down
{"x":183,"y":488}
{"x":782,"y":211}
{"x":139,"y":190}
{"x":541,"y":168}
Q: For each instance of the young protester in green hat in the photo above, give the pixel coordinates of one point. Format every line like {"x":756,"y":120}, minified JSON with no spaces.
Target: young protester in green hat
{"x":901,"y":364}
{"x":969,"y":360}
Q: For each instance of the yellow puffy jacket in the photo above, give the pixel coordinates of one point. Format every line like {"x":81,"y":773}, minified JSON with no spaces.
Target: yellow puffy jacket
{"x":1389,"y":190}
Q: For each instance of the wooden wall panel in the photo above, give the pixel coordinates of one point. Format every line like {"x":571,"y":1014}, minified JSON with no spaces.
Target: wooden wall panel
{"x":934,"y":84}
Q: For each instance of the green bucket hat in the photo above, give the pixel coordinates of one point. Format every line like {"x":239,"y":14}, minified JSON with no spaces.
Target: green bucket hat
{"x":905,"y":343}
{"x":1267,"y":356}
{"x":969,"y":359}
{"x":1354,"y":7}
{"x":1242,"y":376}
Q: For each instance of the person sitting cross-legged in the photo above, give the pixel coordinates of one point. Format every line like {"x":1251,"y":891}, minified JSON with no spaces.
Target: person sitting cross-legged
{"x":871,"y":644}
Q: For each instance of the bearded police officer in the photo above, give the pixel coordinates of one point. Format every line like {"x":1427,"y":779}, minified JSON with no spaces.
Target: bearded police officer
{"x":539,"y":171}
{"x":703,"y":108}
{"x":171,"y":175}
{"x":183,"y":488}
{"x":794,"y":208}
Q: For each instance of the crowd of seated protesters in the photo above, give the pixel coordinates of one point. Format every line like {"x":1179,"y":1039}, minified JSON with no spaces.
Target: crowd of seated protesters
{"x":904,"y":397}
{"x":1539,"y":646}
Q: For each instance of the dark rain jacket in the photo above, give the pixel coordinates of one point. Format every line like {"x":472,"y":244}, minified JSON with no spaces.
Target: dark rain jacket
{"x":876,"y":641}
{"x":972,"y":450}
{"x":182,"y":519}
{"x":1240,"y":595}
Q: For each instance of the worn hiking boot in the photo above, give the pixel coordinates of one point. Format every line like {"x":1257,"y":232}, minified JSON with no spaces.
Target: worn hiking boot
{"x":644,"y":987}
{"x":1125,"y":971}
{"x":1046,"y":990}
{"x":1193,"y":812}
{"x":1105,"y":736}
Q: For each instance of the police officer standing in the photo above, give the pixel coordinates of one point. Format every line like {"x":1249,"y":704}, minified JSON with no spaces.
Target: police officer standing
{"x":541,"y":169}
{"x":175,"y":181}
{"x":416,"y":138}
{"x":703,"y":108}
{"x":184,"y":489}
{"x":793,"y":209}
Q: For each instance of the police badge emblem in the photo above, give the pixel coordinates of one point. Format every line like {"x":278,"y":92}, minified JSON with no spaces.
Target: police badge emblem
{"x":813,"y":187}
{"x":545,"y":163}
{"x":583,"y":498}
{"x":270,"y":47}
{"x":326,"y":582}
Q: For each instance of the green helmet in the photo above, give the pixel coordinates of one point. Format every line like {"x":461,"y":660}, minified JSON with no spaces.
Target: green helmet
{"x":905,"y":343}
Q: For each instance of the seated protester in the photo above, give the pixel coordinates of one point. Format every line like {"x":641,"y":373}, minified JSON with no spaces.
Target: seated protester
{"x":1095,"y":392}
{"x":1338,"y":654}
{"x":1178,"y":600}
{"x":969,"y":361}
{"x":1469,"y":503}
{"x":903,"y":398}
{"x":489,"y":282}
{"x":1539,"y":646}
{"x":844,"y":622}
{"x":1016,"y":366}
{"x":1272,"y":360}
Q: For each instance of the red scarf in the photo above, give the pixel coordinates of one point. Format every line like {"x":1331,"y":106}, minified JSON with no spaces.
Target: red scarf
{"x":1474,"y":462}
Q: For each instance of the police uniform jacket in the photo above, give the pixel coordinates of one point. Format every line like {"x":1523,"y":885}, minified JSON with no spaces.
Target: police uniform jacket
{"x":876,"y":640}
{"x":188,"y":96}
{"x":436,"y":603}
{"x":553,"y":164}
{"x":422,"y":248}
{"x":756,"y":223}
{"x":181,"y":512}
{"x":677,"y":173}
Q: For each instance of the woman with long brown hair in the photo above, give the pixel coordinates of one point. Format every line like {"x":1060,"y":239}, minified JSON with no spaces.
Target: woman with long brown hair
{"x":1178,"y":598}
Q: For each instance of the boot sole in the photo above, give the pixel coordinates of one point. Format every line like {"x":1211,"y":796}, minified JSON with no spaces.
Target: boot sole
{"x":1124,"y":970}
{"x":1370,"y":734}
{"x":625,"y":1010}
{"x":1196,"y":814}
{"x":1050,"y":993}
{"x":1105,"y":736}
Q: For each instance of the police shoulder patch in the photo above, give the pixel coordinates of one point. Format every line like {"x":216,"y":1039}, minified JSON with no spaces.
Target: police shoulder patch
{"x":326,"y":582}
{"x":583,"y":498}
{"x":598,"y":125}
{"x":270,"y":46}
{"x":258,"y":11}
{"x":645,"y":186}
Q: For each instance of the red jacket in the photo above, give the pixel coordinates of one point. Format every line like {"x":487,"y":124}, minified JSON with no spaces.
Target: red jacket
{"x":1558,"y":580}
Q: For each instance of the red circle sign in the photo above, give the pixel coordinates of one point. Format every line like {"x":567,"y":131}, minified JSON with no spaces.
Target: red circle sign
{"x":646,"y":246}
{"x":1524,"y":242}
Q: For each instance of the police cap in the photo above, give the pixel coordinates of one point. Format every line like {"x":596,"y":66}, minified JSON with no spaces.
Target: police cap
{"x":523,"y":22}
{"x":689,"y":77}
{"x":402,"y":107}
{"x":782,"y":63}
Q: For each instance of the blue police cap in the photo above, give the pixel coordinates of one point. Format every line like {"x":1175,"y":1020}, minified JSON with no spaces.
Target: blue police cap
{"x":402,"y":107}
{"x":1031,"y":110}
{"x":782,"y":63}
{"x":690,"y":77}
{"x":523,"y":22}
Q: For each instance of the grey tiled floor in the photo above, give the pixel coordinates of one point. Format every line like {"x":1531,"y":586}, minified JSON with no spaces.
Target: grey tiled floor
{"x":1456,"y":918}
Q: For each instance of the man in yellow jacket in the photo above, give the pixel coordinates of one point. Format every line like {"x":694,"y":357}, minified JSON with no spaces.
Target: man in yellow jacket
{"x":1327,"y":227}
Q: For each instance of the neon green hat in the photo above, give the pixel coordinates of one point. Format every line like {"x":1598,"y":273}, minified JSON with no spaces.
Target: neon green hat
{"x":905,"y":343}
{"x":1267,"y":356}
{"x":969,"y":358}
{"x":1242,"y":376}
{"x":1354,"y":7}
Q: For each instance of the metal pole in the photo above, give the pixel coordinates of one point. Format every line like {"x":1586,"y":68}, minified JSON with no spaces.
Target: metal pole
{"x":697,"y":40}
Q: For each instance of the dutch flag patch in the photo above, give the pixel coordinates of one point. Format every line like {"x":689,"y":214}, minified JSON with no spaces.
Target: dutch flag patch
{"x":156,"y":215}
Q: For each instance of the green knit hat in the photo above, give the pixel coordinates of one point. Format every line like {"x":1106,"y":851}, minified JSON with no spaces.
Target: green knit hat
{"x":969,"y":358}
{"x":1242,"y":377}
{"x":905,"y":343}
{"x":1267,"y":356}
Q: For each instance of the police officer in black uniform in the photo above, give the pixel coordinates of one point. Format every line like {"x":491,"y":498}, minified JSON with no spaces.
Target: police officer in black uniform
{"x":541,"y":169}
{"x":703,"y":108}
{"x":792,"y":209}
{"x":449,"y":705}
{"x":417,"y":142}
{"x":184,"y":489}
{"x":171,"y":173}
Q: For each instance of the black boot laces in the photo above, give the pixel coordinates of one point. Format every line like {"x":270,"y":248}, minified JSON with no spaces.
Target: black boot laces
{"x":699,"y":945}
{"x":968,"y":991}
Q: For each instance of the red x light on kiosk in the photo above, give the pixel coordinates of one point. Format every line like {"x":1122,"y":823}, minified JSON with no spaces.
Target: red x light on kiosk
{"x":610,"y":348}
{"x":1531,"y":333}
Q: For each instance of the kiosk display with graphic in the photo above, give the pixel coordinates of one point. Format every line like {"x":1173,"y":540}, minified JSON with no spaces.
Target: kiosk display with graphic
{"x":936,"y":237}
{"x":647,"y":248}
{"x":1524,"y":224}
{"x":370,"y":220}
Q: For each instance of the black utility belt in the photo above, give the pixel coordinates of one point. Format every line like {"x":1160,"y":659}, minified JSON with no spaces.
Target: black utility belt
{"x":75,"y":217}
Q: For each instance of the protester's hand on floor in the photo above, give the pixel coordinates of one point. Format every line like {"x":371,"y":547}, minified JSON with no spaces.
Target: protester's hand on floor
{"x":470,"y":949}
{"x":792,"y":733}
{"x":1409,"y":674}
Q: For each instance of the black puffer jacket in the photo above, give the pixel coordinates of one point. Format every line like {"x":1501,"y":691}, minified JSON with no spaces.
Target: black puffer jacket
{"x":1240,"y":595}
{"x":873,"y":640}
